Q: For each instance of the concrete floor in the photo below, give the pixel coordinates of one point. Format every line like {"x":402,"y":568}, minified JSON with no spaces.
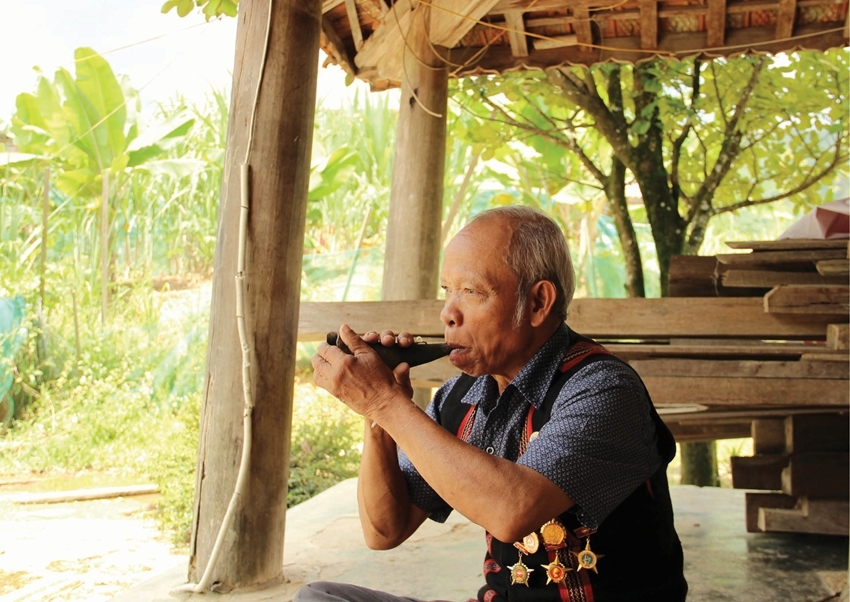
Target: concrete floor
{"x":723,"y":563}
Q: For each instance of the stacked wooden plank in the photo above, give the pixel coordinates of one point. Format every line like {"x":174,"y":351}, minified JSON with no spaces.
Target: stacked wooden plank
{"x":803,"y":461}
{"x":801,"y":458}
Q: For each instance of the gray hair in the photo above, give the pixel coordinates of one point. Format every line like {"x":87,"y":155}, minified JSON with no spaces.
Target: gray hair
{"x":537,"y":251}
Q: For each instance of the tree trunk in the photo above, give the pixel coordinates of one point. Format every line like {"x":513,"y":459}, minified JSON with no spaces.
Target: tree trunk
{"x":252,"y":551}
{"x":699,"y":464}
{"x":412,"y":261}
{"x":615,"y":190}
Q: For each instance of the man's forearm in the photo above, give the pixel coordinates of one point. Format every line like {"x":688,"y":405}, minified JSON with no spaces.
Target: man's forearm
{"x":387,"y":516}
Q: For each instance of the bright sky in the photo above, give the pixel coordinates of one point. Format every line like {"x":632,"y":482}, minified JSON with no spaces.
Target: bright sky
{"x":188,"y":57}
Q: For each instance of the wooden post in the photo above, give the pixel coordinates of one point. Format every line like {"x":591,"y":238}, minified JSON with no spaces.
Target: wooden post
{"x":411,"y":266}
{"x":252,"y":551}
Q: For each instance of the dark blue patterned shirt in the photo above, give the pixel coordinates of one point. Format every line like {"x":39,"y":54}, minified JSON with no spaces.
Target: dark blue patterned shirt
{"x":598,"y":445}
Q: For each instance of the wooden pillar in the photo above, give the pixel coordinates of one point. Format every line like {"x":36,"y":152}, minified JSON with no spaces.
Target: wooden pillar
{"x":252,"y":552}
{"x":411,"y":266}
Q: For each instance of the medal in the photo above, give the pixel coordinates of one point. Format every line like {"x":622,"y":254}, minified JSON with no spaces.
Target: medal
{"x":554,"y":535}
{"x":555,"y":571}
{"x":587,"y":558}
{"x":531,"y":543}
{"x":520,"y":573}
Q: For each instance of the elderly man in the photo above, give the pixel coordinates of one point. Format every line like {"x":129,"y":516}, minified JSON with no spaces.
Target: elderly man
{"x":546,"y":440}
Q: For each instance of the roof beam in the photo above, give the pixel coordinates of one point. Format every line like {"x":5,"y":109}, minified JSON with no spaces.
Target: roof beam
{"x":516,"y":35}
{"x":715,"y":24}
{"x":451,"y":20}
{"x":581,"y":25}
{"x":648,"y":24}
{"x":354,"y":21}
{"x":785,"y":19}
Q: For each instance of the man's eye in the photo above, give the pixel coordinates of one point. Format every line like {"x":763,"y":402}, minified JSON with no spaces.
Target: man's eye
{"x":469,"y":291}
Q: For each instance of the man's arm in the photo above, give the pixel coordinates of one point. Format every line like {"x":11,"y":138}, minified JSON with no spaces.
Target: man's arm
{"x":507,"y":499}
{"x":387,"y":515}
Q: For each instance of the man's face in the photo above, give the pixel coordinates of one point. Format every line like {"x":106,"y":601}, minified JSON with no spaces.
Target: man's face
{"x":481,"y":299}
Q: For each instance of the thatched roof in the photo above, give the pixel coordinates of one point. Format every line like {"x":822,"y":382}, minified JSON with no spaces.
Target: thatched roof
{"x":367,"y":37}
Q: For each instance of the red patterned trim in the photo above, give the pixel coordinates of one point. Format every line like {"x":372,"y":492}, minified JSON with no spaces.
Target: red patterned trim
{"x":465,"y":428}
{"x":580,"y":350}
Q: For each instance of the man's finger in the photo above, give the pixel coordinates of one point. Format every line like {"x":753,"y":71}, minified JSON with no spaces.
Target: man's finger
{"x":352,"y":340}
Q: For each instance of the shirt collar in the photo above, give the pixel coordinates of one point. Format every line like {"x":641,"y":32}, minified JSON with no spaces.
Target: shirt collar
{"x":534,"y":378}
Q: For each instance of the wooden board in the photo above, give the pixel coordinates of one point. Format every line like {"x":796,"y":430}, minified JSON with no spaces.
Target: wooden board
{"x":709,"y":432}
{"x":839,"y":268}
{"x":758,"y":472}
{"x":740,"y":368}
{"x":805,"y":299}
{"x":750,"y":392}
{"x":761,"y":279}
{"x":755,"y":501}
{"x":838,"y":336}
{"x":824,"y":432}
{"x":779,"y":257}
{"x":768,"y":436}
{"x":817,"y":474}
{"x":823,"y":517}
{"x":790,"y":244}
{"x":597,"y":318}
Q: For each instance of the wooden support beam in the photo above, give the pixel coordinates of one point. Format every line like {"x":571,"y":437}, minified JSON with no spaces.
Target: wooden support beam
{"x":517,"y":38}
{"x":252,"y":551}
{"x":760,"y":392}
{"x":758,"y":472}
{"x":740,"y":369}
{"x":451,"y":20}
{"x":354,"y":23}
{"x":768,"y":435}
{"x":716,"y":24}
{"x":770,"y":278}
{"x":785,"y":17}
{"x":834,"y":267}
{"x":789,"y":244}
{"x":808,"y":299}
{"x":335,"y":48}
{"x":387,"y":42}
{"x":779,"y":257}
{"x":649,"y":24}
{"x":582,"y":25}
{"x":817,"y":474}
{"x":824,"y":432}
{"x":555,"y":42}
{"x":824,"y":517}
{"x":709,"y":432}
{"x":598,"y":318}
{"x":755,"y":501}
{"x":412,"y":259}
{"x":838,"y":336}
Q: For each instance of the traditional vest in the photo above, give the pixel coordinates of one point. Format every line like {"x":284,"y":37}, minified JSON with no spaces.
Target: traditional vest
{"x":638,"y":550}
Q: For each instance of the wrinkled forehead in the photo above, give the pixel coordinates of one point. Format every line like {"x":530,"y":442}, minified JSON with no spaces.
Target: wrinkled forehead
{"x":482,"y":248}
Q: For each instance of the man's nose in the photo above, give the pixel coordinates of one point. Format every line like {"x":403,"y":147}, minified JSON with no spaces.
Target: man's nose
{"x":450,"y":314}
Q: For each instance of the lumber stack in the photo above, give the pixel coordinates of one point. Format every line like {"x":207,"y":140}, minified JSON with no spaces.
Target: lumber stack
{"x":800,"y":456}
{"x":801,"y":464}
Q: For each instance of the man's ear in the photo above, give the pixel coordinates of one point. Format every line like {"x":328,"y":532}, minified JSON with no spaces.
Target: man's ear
{"x":541,"y":299}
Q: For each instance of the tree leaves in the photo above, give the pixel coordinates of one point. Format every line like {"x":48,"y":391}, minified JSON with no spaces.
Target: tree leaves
{"x":210,"y":8}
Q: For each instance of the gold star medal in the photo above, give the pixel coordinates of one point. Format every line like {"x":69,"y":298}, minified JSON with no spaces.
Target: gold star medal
{"x":555,"y":571}
{"x":554,"y":535}
{"x":587,"y":559}
{"x":520,"y":573}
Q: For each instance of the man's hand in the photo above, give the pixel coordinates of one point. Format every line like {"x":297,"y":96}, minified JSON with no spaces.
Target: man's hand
{"x":362,"y":380}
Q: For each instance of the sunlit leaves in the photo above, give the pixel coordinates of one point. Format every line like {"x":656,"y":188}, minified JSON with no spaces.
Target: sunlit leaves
{"x":210,"y":8}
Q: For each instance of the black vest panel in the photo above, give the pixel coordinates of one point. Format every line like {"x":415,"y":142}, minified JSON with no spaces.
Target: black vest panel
{"x":640,"y":555}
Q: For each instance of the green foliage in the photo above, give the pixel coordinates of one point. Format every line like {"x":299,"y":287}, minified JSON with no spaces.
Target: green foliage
{"x":327,"y":439}
{"x":210,"y":8}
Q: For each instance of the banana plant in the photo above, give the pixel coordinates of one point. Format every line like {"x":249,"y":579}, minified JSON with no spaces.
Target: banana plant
{"x":87,"y":128}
